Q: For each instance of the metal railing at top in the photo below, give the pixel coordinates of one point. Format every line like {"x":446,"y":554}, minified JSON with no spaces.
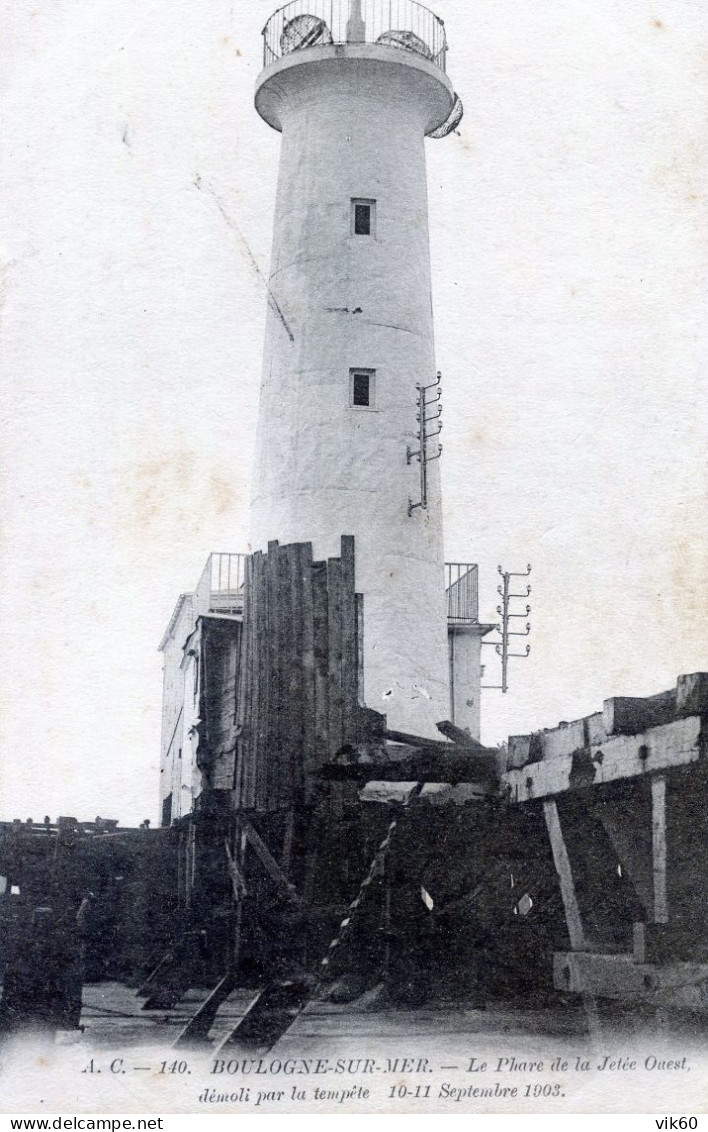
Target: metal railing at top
{"x":462,"y":589}
{"x":220,"y":588}
{"x":403,"y":24}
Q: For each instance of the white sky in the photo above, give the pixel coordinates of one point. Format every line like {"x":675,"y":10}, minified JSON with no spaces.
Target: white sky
{"x":569,"y":226}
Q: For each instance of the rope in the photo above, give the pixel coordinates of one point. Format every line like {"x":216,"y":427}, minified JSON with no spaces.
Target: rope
{"x":374,"y":870}
{"x":345,"y":926}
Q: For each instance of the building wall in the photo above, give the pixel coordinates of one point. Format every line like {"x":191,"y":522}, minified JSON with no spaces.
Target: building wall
{"x":464,"y":653}
{"x":353,"y":126}
{"x":173,"y":689}
{"x":221,"y":644}
{"x":187,"y":779}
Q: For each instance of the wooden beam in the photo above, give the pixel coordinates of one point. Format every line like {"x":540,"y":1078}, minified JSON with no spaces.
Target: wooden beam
{"x":350,"y":664}
{"x":678,"y":985}
{"x":288,"y":769}
{"x":260,"y":673}
{"x":305,"y":601}
{"x":272,"y":671}
{"x":627,"y":823}
{"x":407,"y":764}
{"x":334,"y":589}
{"x":321,"y":652}
{"x":619,"y":757}
{"x":692,"y":694}
{"x":288,"y":841}
{"x":361,"y":688}
{"x":658,"y":837}
{"x":243,"y":689}
{"x":573,"y":920}
{"x":196,"y":1032}
{"x":270,"y":864}
{"x":561,"y":861}
{"x":628,"y":715}
{"x":458,"y":736}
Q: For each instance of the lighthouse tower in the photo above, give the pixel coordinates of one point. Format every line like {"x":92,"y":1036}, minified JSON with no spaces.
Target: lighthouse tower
{"x":349,"y":375}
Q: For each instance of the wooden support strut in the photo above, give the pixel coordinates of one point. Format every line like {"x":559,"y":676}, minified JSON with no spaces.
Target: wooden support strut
{"x":270,"y":864}
{"x":561,"y":861}
{"x":197,"y":1029}
{"x":658,"y":837}
{"x":573,"y":920}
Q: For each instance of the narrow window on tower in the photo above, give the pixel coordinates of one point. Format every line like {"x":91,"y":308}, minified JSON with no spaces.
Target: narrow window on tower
{"x":361,"y":388}
{"x":363,"y":217}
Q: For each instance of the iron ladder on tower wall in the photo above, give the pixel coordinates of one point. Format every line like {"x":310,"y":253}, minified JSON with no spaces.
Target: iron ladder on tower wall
{"x":423,"y":436}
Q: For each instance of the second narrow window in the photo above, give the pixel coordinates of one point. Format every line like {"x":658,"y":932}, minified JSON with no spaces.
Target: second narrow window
{"x":362,"y":388}
{"x":363,"y":216}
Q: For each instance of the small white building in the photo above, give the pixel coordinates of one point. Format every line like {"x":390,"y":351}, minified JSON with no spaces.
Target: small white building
{"x":219,"y":594}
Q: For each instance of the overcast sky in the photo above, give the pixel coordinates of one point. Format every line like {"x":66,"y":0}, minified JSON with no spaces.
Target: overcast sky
{"x":569,"y":227}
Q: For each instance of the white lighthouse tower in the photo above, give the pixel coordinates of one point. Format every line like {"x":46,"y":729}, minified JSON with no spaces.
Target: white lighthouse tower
{"x":349,"y":347}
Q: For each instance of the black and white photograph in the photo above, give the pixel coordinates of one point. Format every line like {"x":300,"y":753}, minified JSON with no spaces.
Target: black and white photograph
{"x":354,"y":738}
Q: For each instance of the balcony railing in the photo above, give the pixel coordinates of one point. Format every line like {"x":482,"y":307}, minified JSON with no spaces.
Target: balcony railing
{"x":462,"y":588}
{"x":220,"y":588}
{"x":403,"y":24}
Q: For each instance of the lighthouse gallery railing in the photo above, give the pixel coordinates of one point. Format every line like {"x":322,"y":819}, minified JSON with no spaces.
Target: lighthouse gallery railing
{"x":316,"y":23}
{"x":220,"y":588}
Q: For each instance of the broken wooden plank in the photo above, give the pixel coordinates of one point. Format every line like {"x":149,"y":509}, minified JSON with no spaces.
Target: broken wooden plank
{"x":437,"y":744}
{"x":459,"y":737}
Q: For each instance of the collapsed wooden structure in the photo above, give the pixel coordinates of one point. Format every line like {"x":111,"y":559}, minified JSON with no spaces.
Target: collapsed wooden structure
{"x":327,"y":854}
{"x":548,"y":862}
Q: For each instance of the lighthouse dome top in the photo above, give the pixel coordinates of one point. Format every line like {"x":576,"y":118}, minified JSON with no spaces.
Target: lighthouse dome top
{"x":368,"y":35}
{"x":402,"y":24}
